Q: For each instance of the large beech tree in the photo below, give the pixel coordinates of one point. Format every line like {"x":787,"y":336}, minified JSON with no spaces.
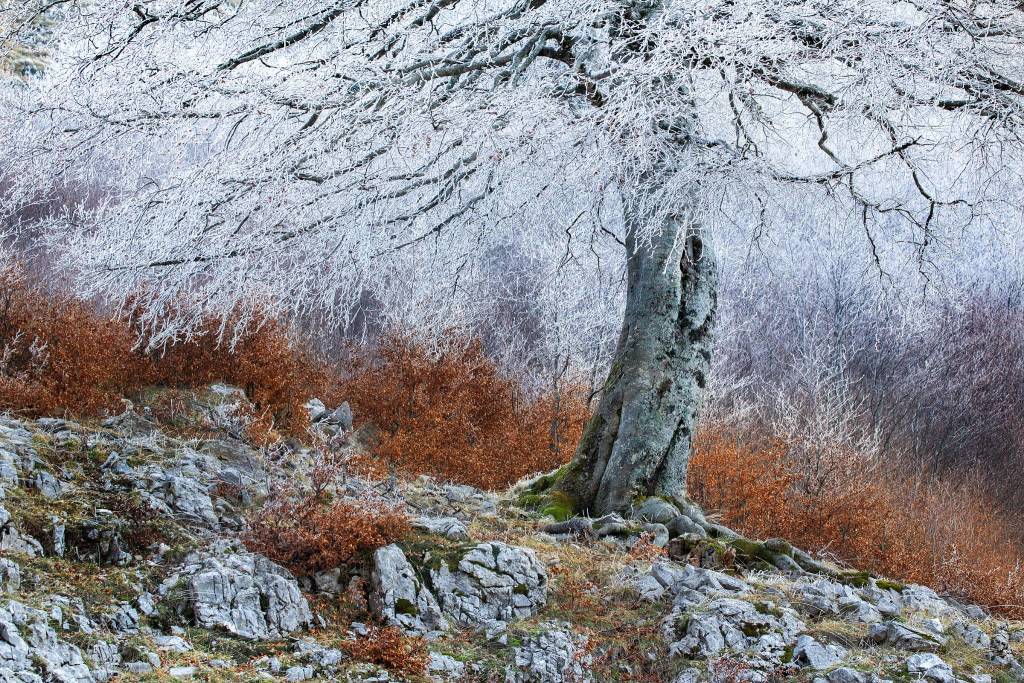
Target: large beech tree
{"x":290,"y":149}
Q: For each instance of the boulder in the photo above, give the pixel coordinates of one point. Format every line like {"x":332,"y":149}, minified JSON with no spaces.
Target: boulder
{"x":972,"y":636}
{"x":47,"y":484}
{"x":449,"y":527}
{"x":324,"y":658}
{"x":554,"y":655}
{"x":731,"y":624}
{"x":822,"y":596}
{"x":654,"y":584}
{"x":905,"y":637}
{"x":14,"y":542}
{"x":10,"y":576}
{"x":492,"y":581}
{"x":316,"y":410}
{"x":689,"y":676}
{"x":818,"y":656}
{"x":656,"y":511}
{"x":924,"y":600}
{"x":847,"y":675}
{"x":31,"y":650}
{"x":8,"y":466}
{"x":123,"y":619}
{"x":243,"y":593}
{"x":484,"y":584}
{"x":342,"y":416}
{"x":931,"y":668}
{"x":694,"y":585}
{"x":445,"y":668}
{"x":338,"y":420}
{"x":398,"y":596}
{"x":684,"y":525}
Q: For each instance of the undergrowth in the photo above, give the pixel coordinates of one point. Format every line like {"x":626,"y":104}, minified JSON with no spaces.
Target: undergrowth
{"x":60,"y":356}
{"x":898,"y":521}
{"x":389,"y":647}
{"x":301,"y":527}
{"x":453,"y":415}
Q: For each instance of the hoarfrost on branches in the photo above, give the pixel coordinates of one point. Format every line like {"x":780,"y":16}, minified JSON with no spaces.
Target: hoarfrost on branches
{"x":322,"y":158}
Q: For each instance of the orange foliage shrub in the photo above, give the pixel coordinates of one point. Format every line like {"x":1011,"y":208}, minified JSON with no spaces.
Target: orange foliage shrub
{"x":389,"y":647}
{"x":897,"y":522}
{"x":278,"y":374}
{"x":454,"y":416}
{"x":58,"y":355}
{"x":303,"y":529}
{"x":309,"y":536}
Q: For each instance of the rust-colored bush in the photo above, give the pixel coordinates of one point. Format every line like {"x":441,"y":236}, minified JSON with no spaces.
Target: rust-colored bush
{"x":308,"y":537}
{"x":387,"y":646}
{"x":898,"y":521}
{"x":278,"y":374}
{"x":300,"y":526}
{"x":59,"y":355}
{"x":454,"y":416}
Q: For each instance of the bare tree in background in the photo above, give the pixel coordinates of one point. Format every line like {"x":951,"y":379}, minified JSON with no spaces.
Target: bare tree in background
{"x":298,"y":152}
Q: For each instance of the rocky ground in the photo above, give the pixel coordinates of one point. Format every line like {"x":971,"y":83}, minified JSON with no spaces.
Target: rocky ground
{"x":120,"y":559}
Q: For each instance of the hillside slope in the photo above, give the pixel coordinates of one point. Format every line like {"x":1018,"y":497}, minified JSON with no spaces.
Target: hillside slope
{"x":124,"y":558}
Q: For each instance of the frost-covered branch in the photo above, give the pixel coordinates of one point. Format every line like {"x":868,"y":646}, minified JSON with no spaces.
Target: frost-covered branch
{"x":306,"y":154}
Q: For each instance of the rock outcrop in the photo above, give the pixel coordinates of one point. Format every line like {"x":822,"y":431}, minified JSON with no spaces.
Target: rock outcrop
{"x":120,"y":558}
{"x":243,"y":593}
{"x":486,"y":583}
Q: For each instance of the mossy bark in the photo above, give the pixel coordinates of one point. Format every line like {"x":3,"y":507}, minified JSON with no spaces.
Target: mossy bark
{"x":638,"y":441}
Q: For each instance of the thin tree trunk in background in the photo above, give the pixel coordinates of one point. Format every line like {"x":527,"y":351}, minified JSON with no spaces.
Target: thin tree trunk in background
{"x":638,"y":441}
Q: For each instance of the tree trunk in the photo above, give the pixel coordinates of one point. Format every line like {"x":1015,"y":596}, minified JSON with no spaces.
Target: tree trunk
{"x":638,"y":441}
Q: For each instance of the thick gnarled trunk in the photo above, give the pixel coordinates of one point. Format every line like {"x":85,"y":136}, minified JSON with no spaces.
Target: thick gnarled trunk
{"x":638,"y":441}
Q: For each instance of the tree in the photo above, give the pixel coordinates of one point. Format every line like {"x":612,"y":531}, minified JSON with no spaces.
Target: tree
{"x":286,"y":148}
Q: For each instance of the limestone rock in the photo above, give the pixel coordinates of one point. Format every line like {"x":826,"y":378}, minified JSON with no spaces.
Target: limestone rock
{"x":731,"y":624}
{"x":905,"y":637}
{"x":243,"y":593}
{"x":398,"y":596}
{"x":818,"y":656}
{"x":492,"y":581}
{"x":973,"y":636}
{"x":316,"y":409}
{"x":847,"y":675}
{"x":13,"y":541}
{"x":694,"y":585}
{"x":688,"y":676}
{"x":822,"y":596}
{"x":30,"y":649}
{"x":10,"y":576}
{"x":931,"y":668}
{"x":47,"y":484}
{"x":923,"y":599}
{"x":445,"y":668}
{"x":449,"y":527}
{"x":552,"y":656}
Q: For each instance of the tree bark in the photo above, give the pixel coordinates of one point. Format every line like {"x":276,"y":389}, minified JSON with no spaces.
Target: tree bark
{"x":638,"y":441}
